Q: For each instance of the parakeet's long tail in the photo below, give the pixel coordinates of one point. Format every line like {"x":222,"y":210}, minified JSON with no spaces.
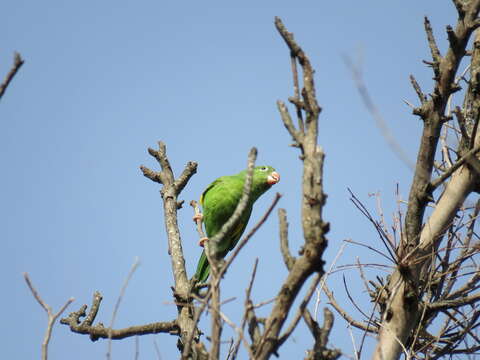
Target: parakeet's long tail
{"x":203,"y":268}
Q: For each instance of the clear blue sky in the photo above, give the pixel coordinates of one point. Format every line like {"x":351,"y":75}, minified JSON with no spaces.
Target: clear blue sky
{"x":105,"y":80}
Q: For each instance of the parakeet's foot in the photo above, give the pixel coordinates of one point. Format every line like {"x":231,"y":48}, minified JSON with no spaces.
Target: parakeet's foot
{"x":202,"y":241}
{"x":197,"y":217}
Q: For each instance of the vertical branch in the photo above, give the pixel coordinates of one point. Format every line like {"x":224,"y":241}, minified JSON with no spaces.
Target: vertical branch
{"x":288,"y":259}
{"x":313,"y":200}
{"x":248,"y":312}
{"x":296,"y":91}
{"x":169,"y":192}
{"x":216,"y":335}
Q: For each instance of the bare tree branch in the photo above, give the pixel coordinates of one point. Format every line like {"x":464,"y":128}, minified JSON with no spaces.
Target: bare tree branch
{"x":247,"y":237}
{"x":170,"y":191}
{"x":418,"y":248}
{"x":52,"y":317}
{"x":375,"y":112}
{"x":321,"y":336}
{"x":134,"y":267}
{"x":465,"y":158}
{"x":288,"y":259}
{"x":17,"y":64}
{"x":101,"y":332}
{"x":421,"y":96}
{"x":248,"y":312}
{"x":300,"y":311}
{"x":436,"y":56}
{"x":343,"y":313}
{"x":313,"y":199}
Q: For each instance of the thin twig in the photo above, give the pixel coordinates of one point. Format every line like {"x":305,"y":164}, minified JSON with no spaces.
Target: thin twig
{"x":52,"y":317}
{"x":465,"y":158}
{"x":252,"y":232}
{"x":137,"y":348}
{"x":344,"y":314}
{"x":239,"y":332}
{"x":157,"y":350}
{"x":376,"y":115}
{"x":17,"y":64}
{"x":383,"y":236}
{"x":134,"y":267}
{"x":247,"y":309}
{"x":325,"y":277}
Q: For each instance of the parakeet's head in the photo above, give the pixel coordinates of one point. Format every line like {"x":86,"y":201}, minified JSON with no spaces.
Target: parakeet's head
{"x":263,"y":178}
{"x":265,"y":174}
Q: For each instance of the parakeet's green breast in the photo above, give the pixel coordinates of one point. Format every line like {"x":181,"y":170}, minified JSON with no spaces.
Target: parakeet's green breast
{"x":219,"y":201}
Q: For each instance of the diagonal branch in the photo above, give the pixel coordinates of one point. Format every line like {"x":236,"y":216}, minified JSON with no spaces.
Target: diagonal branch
{"x":17,"y":64}
{"x":436,"y":56}
{"x":170,"y":191}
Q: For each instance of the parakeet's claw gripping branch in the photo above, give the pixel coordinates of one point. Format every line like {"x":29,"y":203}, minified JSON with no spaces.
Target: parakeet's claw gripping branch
{"x":198,"y":218}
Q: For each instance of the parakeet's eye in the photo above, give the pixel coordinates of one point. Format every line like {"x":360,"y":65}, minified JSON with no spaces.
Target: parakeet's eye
{"x":263,"y":168}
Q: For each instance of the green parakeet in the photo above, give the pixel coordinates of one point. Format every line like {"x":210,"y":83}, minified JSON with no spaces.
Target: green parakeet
{"x":219,"y":201}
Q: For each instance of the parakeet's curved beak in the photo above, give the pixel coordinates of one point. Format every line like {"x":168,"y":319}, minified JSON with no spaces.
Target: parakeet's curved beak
{"x":273,"y":178}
